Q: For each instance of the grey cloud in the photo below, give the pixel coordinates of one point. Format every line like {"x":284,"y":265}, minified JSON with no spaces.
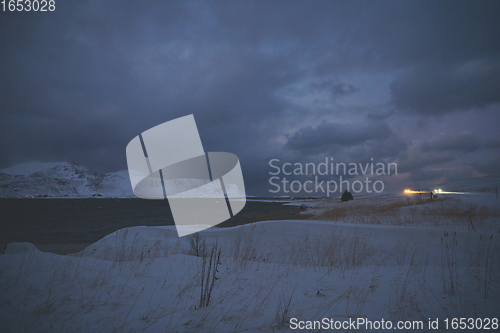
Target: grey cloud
{"x":387,"y":149}
{"x":492,"y":143}
{"x":401,"y":35}
{"x":465,"y":141}
{"x":450,"y":155}
{"x":437,"y":176}
{"x":79,"y":83}
{"x":488,"y":167}
{"x":337,"y":89}
{"x":342,"y":89}
{"x":327,"y":134}
{"x":435,"y":90}
{"x":427,"y":175}
{"x":414,"y":159}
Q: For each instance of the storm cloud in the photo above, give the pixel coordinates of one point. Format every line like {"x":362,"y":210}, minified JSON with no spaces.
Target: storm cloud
{"x":282,"y":79}
{"x":465,"y":141}
{"x":434,"y":90}
{"x":326,"y":134}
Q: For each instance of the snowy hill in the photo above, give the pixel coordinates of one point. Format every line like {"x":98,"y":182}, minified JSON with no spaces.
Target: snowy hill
{"x":62,"y":179}
{"x":260,"y":277}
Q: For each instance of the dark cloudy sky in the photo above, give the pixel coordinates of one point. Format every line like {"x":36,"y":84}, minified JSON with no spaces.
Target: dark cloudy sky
{"x":411,"y":82}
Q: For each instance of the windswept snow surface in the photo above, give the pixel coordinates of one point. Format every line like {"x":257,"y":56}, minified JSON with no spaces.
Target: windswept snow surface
{"x":146,"y":279}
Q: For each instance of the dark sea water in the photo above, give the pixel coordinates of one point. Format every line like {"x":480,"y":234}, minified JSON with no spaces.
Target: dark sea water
{"x":69,"y":225}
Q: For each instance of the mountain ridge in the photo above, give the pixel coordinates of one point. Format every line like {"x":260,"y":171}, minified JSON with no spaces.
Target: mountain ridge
{"x":62,"y":179}
{"x":66,"y":179}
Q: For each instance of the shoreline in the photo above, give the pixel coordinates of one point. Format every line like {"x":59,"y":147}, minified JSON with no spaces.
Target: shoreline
{"x":65,"y":226}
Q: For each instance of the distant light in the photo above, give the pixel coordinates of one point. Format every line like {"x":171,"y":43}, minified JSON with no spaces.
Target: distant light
{"x":437,"y":190}
{"x":408,"y":191}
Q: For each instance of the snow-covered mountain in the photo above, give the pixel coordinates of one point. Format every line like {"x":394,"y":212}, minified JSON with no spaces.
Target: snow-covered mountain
{"x":62,"y":179}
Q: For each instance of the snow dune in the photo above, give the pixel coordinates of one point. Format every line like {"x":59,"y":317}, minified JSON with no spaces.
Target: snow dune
{"x":147,"y":279}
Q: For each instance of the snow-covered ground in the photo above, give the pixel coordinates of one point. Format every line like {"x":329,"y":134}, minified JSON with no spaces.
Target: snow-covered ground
{"x":401,"y":265}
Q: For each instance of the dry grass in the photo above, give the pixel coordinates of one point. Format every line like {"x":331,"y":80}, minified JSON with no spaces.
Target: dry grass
{"x":416,"y":211}
{"x":343,"y":211}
